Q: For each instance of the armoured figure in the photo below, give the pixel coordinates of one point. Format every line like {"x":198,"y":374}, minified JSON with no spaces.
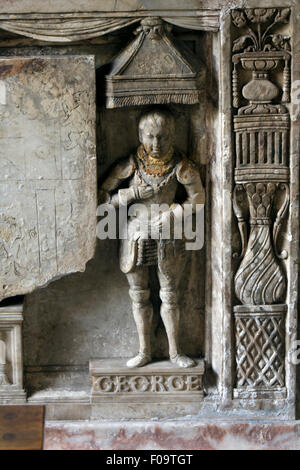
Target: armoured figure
{"x":154,"y":174}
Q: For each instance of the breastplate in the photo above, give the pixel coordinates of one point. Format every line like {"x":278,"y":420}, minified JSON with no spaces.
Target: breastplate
{"x":164,"y":186}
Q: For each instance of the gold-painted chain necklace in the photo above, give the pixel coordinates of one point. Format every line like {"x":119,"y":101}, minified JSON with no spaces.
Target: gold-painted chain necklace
{"x":156,"y":166}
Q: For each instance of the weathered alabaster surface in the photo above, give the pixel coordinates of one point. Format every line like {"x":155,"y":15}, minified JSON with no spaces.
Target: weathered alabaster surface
{"x":47,"y":170}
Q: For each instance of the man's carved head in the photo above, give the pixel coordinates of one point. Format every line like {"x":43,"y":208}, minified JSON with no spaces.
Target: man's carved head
{"x":156,"y":132}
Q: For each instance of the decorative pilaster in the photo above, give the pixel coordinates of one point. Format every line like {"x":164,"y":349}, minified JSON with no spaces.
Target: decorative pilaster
{"x":11,"y":364}
{"x":3,"y":375}
{"x":261,"y":200}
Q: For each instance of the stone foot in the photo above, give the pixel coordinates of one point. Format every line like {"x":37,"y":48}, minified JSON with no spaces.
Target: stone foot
{"x":182,"y":361}
{"x":140,"y":360}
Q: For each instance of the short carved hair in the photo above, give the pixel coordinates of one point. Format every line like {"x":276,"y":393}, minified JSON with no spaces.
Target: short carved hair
{"x":158,"y":117}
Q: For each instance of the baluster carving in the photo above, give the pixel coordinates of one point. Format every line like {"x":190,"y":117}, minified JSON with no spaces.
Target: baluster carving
{"x":261,"y":127}
{"x":260,"y":279}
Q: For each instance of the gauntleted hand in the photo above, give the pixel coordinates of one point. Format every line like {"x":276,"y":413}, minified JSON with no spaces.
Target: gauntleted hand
{"x":144,"y":192}
{"x":134,"y":193}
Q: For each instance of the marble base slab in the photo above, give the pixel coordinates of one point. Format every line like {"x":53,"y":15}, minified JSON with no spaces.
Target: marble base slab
{"x":172,"y":435}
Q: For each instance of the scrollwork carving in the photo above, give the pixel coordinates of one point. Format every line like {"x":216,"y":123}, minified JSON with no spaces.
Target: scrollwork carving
{"x":257,"y":23}
{"x":260,"y":52}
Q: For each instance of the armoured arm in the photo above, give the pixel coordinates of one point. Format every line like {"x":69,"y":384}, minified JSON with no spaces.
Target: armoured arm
{"x":123,"y":170}
{"x":188,"y":175}
{"x":196,"y":194}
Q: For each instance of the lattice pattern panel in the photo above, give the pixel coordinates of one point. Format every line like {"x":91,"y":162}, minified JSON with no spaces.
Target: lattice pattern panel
{"x":260,"y":351}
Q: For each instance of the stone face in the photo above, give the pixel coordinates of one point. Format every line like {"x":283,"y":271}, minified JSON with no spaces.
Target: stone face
{"x":48,"y":170}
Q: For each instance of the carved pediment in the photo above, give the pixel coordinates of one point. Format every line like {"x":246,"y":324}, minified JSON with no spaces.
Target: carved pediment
{"x":153,"y":69}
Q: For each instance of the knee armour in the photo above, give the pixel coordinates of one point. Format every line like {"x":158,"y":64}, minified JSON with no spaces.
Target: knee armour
{"x":168,"y":297}
{"x":140,"y":296}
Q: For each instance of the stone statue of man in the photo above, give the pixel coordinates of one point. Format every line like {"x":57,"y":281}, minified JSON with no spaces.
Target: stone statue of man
{"x":153,"y":174}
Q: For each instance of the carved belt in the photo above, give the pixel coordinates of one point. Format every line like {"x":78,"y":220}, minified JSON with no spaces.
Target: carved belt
{"x":260,"y":221}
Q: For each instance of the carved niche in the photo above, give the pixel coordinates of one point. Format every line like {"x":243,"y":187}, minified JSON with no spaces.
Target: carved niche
{"x":48,"y":170}
{"x":261,"y":198}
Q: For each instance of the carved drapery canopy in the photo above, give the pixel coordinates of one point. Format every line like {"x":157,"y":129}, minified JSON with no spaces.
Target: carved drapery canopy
{"x":153,"y":69}
{"x":68,"y":27}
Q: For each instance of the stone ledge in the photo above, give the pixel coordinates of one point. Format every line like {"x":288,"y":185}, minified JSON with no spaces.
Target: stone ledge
{"x":12,"y":395}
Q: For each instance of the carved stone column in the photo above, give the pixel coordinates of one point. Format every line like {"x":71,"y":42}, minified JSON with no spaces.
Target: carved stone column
{"x":261,"y":201}
{"x":11,"y":365}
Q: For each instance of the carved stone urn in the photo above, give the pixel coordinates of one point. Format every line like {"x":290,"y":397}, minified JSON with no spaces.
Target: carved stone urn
{"x":260,"y":91}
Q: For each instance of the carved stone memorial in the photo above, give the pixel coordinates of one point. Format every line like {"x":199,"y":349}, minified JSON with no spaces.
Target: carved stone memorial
{"x":261,"y":176}
{"x":160,"y":109}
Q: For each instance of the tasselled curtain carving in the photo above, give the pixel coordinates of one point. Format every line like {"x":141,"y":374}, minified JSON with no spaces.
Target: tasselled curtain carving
{"x":74,"y":29}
